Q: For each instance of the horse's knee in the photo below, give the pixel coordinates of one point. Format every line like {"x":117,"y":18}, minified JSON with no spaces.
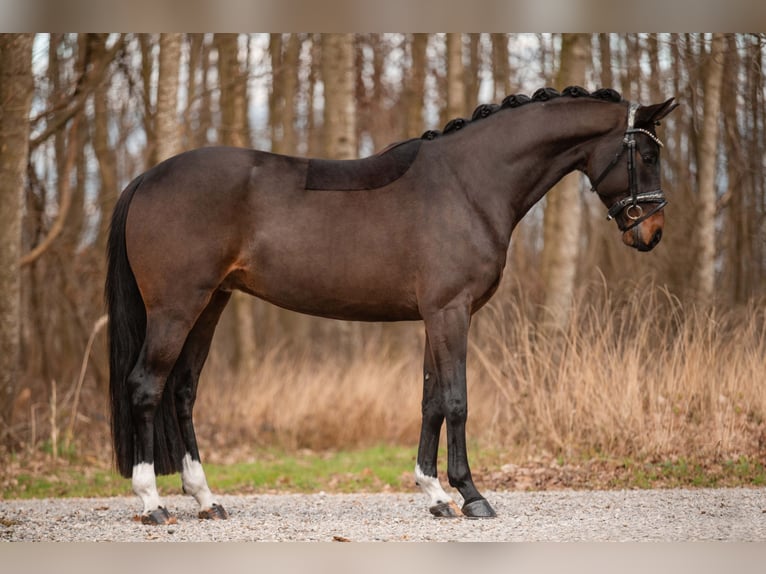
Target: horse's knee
{"x":456,"y":411}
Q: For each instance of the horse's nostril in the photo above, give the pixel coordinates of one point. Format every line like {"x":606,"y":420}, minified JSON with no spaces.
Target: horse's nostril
{"x":656,"y":237}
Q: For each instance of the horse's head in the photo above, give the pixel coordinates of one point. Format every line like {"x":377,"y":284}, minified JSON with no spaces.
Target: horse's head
{"x":627,"y":176}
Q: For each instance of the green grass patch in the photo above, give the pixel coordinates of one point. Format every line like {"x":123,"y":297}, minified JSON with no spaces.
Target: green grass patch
{"x":71,"y":481}
{"x":685,"y":473}
{"x":372,"y":469}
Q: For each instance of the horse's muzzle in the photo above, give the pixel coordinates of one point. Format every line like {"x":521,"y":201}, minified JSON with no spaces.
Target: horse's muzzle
{"x":646,"y":235}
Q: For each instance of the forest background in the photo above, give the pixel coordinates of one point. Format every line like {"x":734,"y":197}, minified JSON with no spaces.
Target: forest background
{"x":587,"y":350}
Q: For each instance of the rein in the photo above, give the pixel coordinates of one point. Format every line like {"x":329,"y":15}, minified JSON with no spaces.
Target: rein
{"x":632,"y":204}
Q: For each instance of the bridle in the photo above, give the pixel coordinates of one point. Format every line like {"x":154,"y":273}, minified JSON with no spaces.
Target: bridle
{"x":632,"y":204}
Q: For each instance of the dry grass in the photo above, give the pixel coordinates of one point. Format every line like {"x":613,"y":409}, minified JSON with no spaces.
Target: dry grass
{"x":298,"y":398}
{"x":644,"y":377}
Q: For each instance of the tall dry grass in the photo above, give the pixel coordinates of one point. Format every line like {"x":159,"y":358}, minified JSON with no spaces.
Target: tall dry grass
{"x":638,"y":376}
{"x":311,"y":394}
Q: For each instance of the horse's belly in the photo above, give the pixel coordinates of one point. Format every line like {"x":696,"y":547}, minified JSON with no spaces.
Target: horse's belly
{"x":325,"y":294}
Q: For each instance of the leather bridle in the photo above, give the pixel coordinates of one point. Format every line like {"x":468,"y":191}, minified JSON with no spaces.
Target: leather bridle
{"x":632,"y":204}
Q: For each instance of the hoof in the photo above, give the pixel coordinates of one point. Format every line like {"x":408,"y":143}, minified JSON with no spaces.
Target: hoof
{"x":158,"y":516}
{"x":479,"y":508}
{"x":215,"y":512}
{"x":446,"y":510}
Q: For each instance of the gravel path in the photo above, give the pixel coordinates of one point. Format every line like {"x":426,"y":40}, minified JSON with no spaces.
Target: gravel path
{"x":639,"y":515}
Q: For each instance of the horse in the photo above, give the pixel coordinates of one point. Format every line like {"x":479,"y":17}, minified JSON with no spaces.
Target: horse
{"x":419,"y":232}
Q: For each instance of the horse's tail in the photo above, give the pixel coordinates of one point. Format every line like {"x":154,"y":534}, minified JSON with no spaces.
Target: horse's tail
{"x":126,"y":332}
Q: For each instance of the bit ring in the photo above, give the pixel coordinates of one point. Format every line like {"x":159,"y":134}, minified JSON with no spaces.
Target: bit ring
{"x":629,"y":212}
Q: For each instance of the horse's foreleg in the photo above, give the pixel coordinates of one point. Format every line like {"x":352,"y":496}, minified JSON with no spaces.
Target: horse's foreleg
{"x":448,"y":338}
{"x":439,"y":502}
{"x":186,"y":374}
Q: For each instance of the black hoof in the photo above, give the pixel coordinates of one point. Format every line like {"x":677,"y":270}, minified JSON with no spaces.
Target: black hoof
{"x":158,"y":516}
{"x":215,"y":512}
{"x":446,"y":510}
{"x":479,"y":509}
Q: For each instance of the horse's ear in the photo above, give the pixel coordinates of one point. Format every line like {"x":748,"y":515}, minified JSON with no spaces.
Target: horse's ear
{"x":653,"y":114}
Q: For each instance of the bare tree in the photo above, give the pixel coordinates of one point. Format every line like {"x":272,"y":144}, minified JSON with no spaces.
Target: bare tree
{"x":285,"y":63}
{"x":473,"y":72}
{"x":167,"y":127}
{"x":16,"y":89}
{"x":563,"y":208}
{"x":456,"y":102}
{"x":233,"y":83}
{"x":105,"y":154}
{"x":198,"y":112}
{"x":414,"y":89}
{"x":501,"y":73}
{"x":706,"y":168}
{"x":339,"y":130}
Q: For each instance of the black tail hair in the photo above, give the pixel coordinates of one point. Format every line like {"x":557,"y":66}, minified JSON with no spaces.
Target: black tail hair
{"x":126,"y":333}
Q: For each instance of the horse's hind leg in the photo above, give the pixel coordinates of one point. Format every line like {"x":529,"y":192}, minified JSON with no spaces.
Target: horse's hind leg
{"x":186,"y":376}
{"x":165,"y":336}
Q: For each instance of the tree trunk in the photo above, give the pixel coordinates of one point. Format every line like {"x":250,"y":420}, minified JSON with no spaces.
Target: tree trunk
{"x":414,"y":88}
{"x":339,"y":129}
{"x":706,"y":169}
{"x":472,"y":73}
{"x":737,"y":228}
{"x":501,"y":73}
{"x":653,"y":50}
{"x":107,"y":161}
{"x":456,"y":103}
{"x":285,"y":61}
{"x":276,"y":99}
{"x":605,"y":50}
{"x":167,"y":128}
{"x":233,"y":83}
{"x":200,"y":105}
{"x":146,"y":43}
{"x":563,"y":209}
{"x":16,"y":89}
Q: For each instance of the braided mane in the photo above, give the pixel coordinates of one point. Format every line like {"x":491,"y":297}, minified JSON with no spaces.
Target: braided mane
{"x":516,"y":100}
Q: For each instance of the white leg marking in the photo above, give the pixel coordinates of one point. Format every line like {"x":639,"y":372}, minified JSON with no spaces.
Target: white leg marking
{"x":145,"y":486}
{"x":431,"y":487}
{"x":195,"y":483}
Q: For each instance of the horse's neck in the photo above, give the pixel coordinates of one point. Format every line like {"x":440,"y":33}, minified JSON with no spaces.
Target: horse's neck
{"x":558,"y":138}
{"x":517,"y":157}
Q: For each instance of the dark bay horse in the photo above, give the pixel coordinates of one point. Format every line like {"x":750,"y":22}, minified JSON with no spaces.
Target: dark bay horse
{"x":418,"y":232}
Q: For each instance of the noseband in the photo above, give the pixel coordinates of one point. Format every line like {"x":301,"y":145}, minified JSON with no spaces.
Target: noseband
{"x":632,"y":204}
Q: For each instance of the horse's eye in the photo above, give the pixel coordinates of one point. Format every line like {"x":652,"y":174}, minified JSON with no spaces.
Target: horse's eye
{"x":649,"y":158}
